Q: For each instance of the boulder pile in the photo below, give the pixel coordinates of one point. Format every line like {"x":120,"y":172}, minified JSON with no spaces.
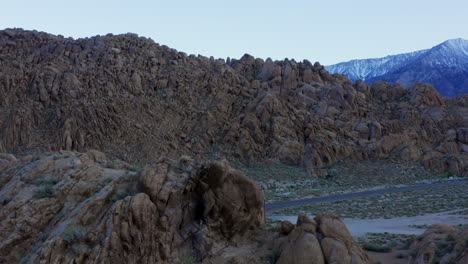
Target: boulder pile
{"x":136,"y":100}
{"x":81,"y":208}
{"x":71,"y":207}
{"x":324,"y":239}
{"x":441,"y":243}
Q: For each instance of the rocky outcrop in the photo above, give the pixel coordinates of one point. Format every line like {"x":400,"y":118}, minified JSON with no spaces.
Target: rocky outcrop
{"x":441,"y":244}
{"x":72,"y":207}
{"x":330,"y":243}
{"x":137,"y":100}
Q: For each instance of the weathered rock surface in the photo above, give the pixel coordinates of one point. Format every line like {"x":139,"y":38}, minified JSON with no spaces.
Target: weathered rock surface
{"x":70,"y":207}
{"x":330,"y":243}
{"x":82,"y":208}
{"x":441,"y":244}
{"x":133,"y":99}
{"x":286,"y":227}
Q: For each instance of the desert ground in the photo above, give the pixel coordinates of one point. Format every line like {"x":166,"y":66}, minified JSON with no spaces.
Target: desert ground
{"x":384,"y":209}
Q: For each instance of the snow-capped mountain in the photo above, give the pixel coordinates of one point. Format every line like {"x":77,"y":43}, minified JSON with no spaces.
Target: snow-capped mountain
{"x":444,"y":66}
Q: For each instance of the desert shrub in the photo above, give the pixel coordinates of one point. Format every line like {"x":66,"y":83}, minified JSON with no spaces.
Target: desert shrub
{"x":44,"y":191}
{"x":393,"y":244}
{"x":119,"y":196}
{"x":114,"y":165}
{"x":189,"y":260}
{"x":22,"y":257}
{"x":443,"y":247}
{"x":274,"y":256}
{"x":74,"y":234}
{"x":108,"y":179}
{"x":441,"y":244}
{"x":41,"y":180}
{"x":402,"y":255}
{"x":43,"y":237}
{"x":450,"y":237}
{"x":5,"y":200}
{"x":447,"y":175}
{"x":377,"y":248}
{"x":134,"y":168}
{"x":272,"y":224}
{"x":76,"y":249}
{"x":407,"y":244}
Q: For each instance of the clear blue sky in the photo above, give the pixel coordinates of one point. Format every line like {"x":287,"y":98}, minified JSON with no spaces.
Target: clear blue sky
{"x":325,"y":31}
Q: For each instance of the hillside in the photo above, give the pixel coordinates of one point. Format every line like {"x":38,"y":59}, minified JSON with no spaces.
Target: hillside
{"x":137,"y":101}
{"x":444,"y":66}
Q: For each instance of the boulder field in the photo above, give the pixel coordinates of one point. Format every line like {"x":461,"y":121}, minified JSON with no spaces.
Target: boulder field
{"x":70,"y":207}
{"x":136,"y":100}
{"x":441,"y":243}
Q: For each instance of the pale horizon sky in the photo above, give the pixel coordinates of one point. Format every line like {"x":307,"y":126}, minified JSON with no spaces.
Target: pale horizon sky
{"x":328,"y":32}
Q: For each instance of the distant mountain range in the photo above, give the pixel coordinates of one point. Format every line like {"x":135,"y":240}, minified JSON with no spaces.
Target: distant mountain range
{"x":444,"y":66}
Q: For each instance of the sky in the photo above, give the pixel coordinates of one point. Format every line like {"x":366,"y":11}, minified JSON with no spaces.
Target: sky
{"x":324,"y":31}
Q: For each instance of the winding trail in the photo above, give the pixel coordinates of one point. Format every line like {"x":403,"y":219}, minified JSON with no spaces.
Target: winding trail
{"x":273,"y":206}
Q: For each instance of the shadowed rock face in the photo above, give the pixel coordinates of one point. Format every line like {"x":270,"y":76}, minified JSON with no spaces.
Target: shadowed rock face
{"x":136,"y":100}
{"x":70,"y":207}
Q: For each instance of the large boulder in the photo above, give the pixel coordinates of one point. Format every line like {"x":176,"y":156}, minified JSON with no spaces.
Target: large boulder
{"x":231,"y":201}
{"x":324,"y":239}
{"x":425,"y":95}
{"x":302,"y":247}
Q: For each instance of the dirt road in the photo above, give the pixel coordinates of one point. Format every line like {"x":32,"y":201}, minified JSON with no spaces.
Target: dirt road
{"x":272,"y":206}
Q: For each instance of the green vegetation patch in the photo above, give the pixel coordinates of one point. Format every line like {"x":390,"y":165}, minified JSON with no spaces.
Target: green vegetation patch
{"x":274,"y":256}
{"x":120,"y":195}
{"x":386,"y":242}
{"x":42,"y":180}
{"x":189,"y":260}
{"x":377,"y":248}
{"x":74,"y":234}
{"x":44,"y":191}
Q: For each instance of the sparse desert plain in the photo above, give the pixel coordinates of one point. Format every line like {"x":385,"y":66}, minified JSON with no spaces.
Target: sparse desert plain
{"x":381,"y":213}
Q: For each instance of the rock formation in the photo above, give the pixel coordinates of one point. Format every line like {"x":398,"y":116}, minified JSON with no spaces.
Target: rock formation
{"x":69,"y":207}
{"x":441,"y":244}
{"x":324,"y":239}
{"x":135,"y":100}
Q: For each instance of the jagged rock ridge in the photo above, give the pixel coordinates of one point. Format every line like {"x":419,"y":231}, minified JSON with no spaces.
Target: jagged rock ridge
{"x":136,"y":100}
